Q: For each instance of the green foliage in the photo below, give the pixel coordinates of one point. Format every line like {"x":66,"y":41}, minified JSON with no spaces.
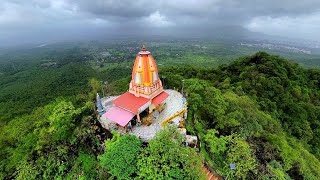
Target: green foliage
{"x":240,"y":153}
{"x":277,"y":171}
{"x":42,"y":144}
{"x":23,"y":91}
{"x":167,"y":158}
{"x":245,"y":114}
{"x":119,"y":86}
{"x":84,"y":167}
{"x":227,"y":150}
{"x":95,"y":86}
{"x":261,"y":105}
{"x":61,"y":118}
{"x":293,"y":153}
{"x":217,"y":147}
{"x":121,"y":156}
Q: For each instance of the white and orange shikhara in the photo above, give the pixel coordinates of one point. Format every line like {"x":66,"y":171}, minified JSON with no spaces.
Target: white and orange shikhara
{"x":145,"y":79}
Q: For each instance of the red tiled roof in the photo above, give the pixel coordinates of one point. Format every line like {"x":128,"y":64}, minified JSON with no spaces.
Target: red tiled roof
{"x":160,"y":98}
{"x":130,"y":102}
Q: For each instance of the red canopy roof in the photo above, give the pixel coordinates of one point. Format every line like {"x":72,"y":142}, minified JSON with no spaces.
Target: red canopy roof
{"x":119,"y":116}
{"x":130,"y":102}
{"x":160,"y":98}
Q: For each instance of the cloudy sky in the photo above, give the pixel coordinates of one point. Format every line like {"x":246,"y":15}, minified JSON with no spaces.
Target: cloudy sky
{"x":23,"y":21}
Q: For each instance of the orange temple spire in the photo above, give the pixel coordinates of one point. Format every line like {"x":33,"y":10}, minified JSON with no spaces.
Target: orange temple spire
{"x":145,"y":79}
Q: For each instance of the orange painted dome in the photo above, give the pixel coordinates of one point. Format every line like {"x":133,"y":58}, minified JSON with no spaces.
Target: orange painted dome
{"x":145,"y":79}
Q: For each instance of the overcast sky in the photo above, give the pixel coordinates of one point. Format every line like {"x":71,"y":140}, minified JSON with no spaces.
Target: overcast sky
{"x":23,"y":21}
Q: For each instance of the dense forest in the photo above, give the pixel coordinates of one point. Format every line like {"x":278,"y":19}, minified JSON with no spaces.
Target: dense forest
{"x":260,"y":112}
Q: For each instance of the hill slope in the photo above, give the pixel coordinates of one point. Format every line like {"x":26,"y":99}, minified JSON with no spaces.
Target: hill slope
{"x":260,"y":112}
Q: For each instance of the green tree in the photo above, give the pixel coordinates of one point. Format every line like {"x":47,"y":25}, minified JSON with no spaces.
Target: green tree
{"x":121,"y":156}
{"x":84,"y":167}
{"x":225,"y":150}
{"x":167,"y":158}
{"x":240,"y":153}
{"x":46,"y":143}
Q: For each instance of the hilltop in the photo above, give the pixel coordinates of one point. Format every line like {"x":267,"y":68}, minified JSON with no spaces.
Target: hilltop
{"x":260,"y":112}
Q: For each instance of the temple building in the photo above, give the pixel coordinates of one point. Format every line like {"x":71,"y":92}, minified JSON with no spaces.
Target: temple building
{"x":145,"y":92}
{"x":146,"y":107}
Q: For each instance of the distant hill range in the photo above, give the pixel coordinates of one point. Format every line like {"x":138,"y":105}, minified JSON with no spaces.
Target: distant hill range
{"x":241,"y":33}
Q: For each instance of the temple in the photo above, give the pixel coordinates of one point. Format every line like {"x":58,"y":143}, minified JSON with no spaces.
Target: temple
{"x":146,"y":107}
{"x":145,"y":92}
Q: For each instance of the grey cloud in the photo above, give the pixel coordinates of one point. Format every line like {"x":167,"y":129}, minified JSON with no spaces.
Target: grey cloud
{"x":115,"y":8}
{"x":60,"y":19}
{"x":198,"y":8}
